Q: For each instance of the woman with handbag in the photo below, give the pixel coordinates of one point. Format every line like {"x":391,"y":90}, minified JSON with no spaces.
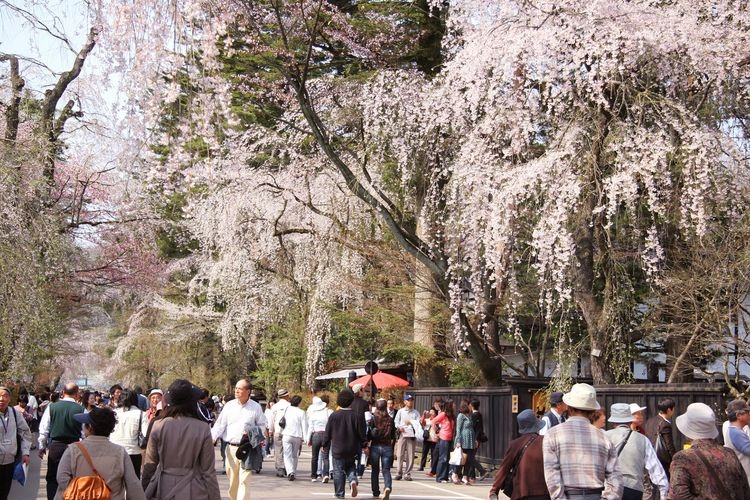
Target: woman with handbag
{"x":131,"y":424}
{"x":97,"y":457}
{"x":521,"y":473}
{"x":446,"y":419}
{"x":430,"y":438}
{"x":180,"y":453}
{"x":465,"y":439}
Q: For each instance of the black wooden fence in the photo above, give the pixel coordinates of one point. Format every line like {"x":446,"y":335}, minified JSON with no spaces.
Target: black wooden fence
{"x":499,"y":405}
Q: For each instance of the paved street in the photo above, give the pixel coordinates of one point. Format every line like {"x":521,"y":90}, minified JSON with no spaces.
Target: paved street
{"x":267,"y":486}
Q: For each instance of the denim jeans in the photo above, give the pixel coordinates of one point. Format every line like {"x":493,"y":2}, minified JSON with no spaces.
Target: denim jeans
{"x":443,"y":448}
{"x":381,"y":455}
{"x":344,"y":471}
{"x":317,"y":439}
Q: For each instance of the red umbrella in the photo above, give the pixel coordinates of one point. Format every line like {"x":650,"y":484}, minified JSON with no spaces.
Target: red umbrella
{"x":381,"y":380}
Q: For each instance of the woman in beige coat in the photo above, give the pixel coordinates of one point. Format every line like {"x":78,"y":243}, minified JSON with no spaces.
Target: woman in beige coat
{"x":180,"y":454}
{"x":111,"y":460}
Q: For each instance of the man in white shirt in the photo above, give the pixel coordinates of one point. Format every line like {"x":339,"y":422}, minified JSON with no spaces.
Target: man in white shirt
{"x":408,"y":426}
{"x":238,"y":415}
{"x":279,"y":409}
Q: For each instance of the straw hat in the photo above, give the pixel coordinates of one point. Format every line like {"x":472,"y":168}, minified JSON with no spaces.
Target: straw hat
{"x":698,"y":422}
{"x":581,"y":397}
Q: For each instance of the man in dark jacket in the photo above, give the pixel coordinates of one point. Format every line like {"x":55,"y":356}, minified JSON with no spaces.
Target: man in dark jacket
{"x":345,"y":434}
{"x":527,"y":452}
{"x":659,"y":427}
{"x":360,"y":407}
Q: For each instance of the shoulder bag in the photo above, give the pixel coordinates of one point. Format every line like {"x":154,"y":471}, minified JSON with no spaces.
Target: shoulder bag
{"x":88,"y":487}
{"x":282,"y":422}
{"x":510,"y":476}
{"x":142,"y":440}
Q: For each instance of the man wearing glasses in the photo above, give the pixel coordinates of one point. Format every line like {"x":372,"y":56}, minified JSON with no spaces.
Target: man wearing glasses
{"x":238,"y":415}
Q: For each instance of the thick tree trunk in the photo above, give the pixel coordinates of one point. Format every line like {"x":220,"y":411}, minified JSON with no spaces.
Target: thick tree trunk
{"x":587,"y":298}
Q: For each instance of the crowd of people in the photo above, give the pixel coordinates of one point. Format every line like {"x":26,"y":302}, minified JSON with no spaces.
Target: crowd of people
{"x":636,"y":459}
{"x":160,"y":445}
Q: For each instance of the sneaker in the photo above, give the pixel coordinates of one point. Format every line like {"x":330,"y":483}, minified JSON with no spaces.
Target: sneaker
{"x":484,"y":476}
{"x":444,"y":481}
{"x":326,"y":479}
{"x":407,"y":477}
{"x":398,"y":477}
{"x":493,"y":496}
{"x":353,"y":486}
{"x":386,"y":494}
{"x":291,"y":477}
{"x":313,"y":479}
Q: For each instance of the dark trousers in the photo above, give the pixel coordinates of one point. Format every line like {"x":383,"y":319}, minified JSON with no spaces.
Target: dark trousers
{"x":466,"y":470}
{"x":443,"y":449}
{"x":478,"y":467}
{"x":428,"y":448}
{"x":631,"y":494}
{"x":54,"y":454}
{"x":344,"y":471}
{"x":6,"y":479}
{"x":317,"y":440}
{"x":137,"y":459}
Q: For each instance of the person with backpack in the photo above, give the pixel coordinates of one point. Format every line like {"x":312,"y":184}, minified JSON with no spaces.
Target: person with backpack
{"x":383,"y":436}
{"x":96,"y":464}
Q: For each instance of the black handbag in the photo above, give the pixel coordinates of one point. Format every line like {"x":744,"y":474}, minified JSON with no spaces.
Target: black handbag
{"x":282,"y":422}
{"x":508,"y":482}
{"x":142,"y":440}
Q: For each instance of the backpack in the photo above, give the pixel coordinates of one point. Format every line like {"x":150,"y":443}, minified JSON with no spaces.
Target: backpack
{"x":87,"y":487}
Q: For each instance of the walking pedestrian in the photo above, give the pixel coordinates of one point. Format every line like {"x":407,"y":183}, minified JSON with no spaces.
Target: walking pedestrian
{"x":659,"y":431}
{"x":524,"y":459}
{"x":579,"y":461}
{"x":706,"y":469}
{"x":58,"y":429}
{"x":556,"y":414}
{"x":317,"y":419}
{"x":446,"y":419}
{"x":345,"y":431}
{"x":381,"y":449}
{"x":430,"y":438}
{"x":477,"y":421}
{"x":409,"y":429}
{"x":239,"y":414}
{"x":96,"y":451}
{"x":279,"y":409}
{"x":180,"y":453}
{"x":13,"y":427}
{"x":464,"y":437}
{"x":292,"y":435}
{"x":636,"y":455}
{"x":131,"y":422}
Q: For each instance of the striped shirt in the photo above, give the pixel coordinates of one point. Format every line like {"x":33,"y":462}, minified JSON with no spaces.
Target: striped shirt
{"x":578,"y":455}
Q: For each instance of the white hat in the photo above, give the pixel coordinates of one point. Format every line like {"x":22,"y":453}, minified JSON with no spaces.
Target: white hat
{"x":698,"y":422}
{"x":155,"y":391}
{"x":317,"y":404}
{"x":619,"y":413}
{"x":357,"y":387}
{"x":581,"y":397}
{"x":635,"y":408}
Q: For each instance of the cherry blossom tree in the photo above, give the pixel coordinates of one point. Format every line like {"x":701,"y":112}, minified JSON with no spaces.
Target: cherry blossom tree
{"x":554,"y":161}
